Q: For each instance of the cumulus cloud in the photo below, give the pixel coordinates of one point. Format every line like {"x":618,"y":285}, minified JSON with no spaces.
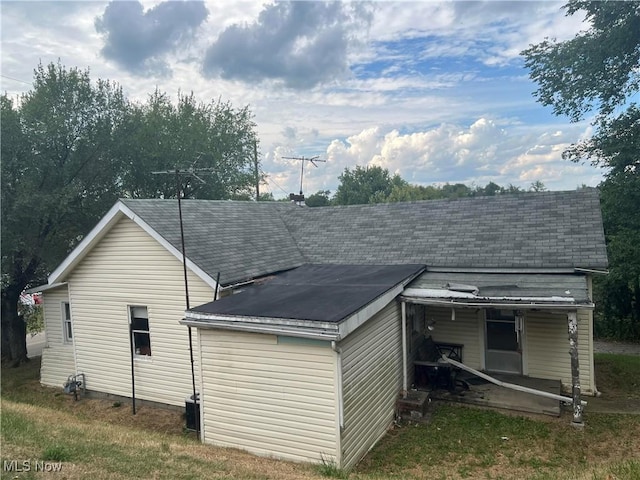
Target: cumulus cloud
{"x":487,"y":150}
{"x":300,"y":44}
{"x":138,"y":40}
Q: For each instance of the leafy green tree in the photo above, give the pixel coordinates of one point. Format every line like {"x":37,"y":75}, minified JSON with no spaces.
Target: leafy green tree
{"x":366,"y":185}
{"x":59,"y":175}
{"x":537,"y":186}
{"x":215,"y":136}
{"x":457,"y":190}
{"x":597,"y":73}
{"x":489,"y":190}
{"x":71,"y":147}
{"x":318,"y":199}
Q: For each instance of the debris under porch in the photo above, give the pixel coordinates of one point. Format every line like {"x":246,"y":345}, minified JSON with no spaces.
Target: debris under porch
{"x":473,"y":390}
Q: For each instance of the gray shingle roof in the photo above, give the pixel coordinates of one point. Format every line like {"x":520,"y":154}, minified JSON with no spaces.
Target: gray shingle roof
{"x":525,"y":231}
{"x":243,"y":240}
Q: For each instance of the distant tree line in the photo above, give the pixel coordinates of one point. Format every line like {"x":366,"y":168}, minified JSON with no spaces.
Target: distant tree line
{"x":375,"y":184}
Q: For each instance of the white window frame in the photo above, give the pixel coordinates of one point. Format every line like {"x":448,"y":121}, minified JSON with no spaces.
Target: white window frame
{"x":137,"y":351}
{"x":67,"y":323}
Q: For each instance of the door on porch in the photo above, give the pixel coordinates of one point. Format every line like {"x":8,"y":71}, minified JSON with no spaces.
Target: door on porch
{"x":502,"y":336}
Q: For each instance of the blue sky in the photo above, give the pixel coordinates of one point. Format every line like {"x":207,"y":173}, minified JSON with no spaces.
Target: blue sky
{"x":434,"y":91}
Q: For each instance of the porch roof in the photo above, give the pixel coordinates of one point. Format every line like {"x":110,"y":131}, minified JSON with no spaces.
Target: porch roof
{"x":565,"y":291}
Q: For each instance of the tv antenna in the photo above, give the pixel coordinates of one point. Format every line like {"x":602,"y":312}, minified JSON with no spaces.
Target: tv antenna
{"x":311,"y":160}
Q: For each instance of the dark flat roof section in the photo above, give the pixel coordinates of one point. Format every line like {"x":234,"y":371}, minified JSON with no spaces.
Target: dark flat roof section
{"x":324,"y":293}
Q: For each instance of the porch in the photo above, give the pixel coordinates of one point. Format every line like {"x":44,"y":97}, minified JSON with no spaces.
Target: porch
{"x":484,"y":393}
{"x":514,"y":326}
{"x":473,"y":390}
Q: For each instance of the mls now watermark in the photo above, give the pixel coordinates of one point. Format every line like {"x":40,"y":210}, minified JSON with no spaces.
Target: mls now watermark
{"x":19,"y":466}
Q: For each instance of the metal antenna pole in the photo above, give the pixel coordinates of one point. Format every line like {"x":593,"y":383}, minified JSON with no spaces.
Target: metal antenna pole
{"x":184,"y":253}
{"x":313,"y":161}
{"x":191,"y":172}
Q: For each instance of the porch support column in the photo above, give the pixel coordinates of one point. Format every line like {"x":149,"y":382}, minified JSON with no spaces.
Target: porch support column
{"x":404,"y":349}
{"x":572,"y":318}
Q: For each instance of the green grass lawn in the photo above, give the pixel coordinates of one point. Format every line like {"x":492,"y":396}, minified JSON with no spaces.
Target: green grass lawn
{"x":98,"y":439}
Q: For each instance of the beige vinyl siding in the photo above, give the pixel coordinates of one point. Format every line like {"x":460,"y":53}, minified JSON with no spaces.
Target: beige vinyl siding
{"x":371,"y":381}
{"x":548,"y":347}
{"x":465,"y":330}
{"x":129,"y":268}
{"x":57,"y":356}
{"x":269,"y":395}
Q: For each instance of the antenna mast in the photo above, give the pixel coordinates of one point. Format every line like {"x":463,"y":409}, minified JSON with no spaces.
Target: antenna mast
{"x":313,"y":161}
{"x":191,"y":171}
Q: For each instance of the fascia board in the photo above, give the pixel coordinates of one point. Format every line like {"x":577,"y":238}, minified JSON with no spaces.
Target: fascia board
{"x":273,"y":326}
{"x":351,"y":323}
{"x":100,"y":230}
{"x":497,"y":304}
{"x":87,"y":243}
{"x":46,"y":287}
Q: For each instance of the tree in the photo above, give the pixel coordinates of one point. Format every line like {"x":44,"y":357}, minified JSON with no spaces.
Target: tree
{"x":537,"y":186}
{"x":72,"y":147}
{"x":366,"y":185}
{"x":215,"y":135}
{"x":318,"y":199}
{"x":58,"y":177}
{"x":598,"y":73}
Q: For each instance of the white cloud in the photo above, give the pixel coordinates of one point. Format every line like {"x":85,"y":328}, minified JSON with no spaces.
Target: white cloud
{"x":454,"y":105}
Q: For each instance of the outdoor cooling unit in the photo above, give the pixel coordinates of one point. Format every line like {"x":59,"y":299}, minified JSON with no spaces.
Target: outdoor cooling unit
{"x":192,"y":412}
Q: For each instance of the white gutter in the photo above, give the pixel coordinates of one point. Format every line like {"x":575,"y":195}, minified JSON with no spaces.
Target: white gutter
{"x":494,"y":304}
{"x":589,"y":270}
{"x":289,"y":331}
{"x":512,"y":386}
{"x":498,"y":270}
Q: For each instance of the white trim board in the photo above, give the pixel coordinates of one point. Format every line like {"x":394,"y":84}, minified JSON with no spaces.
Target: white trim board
{"x":118,"y":211}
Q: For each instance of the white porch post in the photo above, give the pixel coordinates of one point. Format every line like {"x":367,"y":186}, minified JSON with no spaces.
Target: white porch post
{"x":572,"y":318}
{"x":404,"y":349}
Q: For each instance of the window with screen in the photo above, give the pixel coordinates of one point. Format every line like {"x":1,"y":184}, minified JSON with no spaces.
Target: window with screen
{"x":140,"y":330}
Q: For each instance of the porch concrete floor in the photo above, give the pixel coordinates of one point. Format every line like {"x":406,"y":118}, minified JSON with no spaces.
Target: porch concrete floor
{"x":490,"y":395}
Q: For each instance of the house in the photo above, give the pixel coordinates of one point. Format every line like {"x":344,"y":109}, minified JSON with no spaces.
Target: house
{"x":306,"y":322}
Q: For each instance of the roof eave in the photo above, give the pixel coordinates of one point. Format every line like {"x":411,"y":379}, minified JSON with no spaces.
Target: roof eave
{"x":498,"y":303}
{"x":274,"y":326}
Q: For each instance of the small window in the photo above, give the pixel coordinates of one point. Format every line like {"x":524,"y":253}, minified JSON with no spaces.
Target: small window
{"x":140,"y":330}
{"x":67,"y":326}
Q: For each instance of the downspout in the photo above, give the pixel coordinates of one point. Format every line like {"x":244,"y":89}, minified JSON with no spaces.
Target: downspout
{"x":338,"y":351}
{"x":404,"y":349}
{"x":215,"y":293}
